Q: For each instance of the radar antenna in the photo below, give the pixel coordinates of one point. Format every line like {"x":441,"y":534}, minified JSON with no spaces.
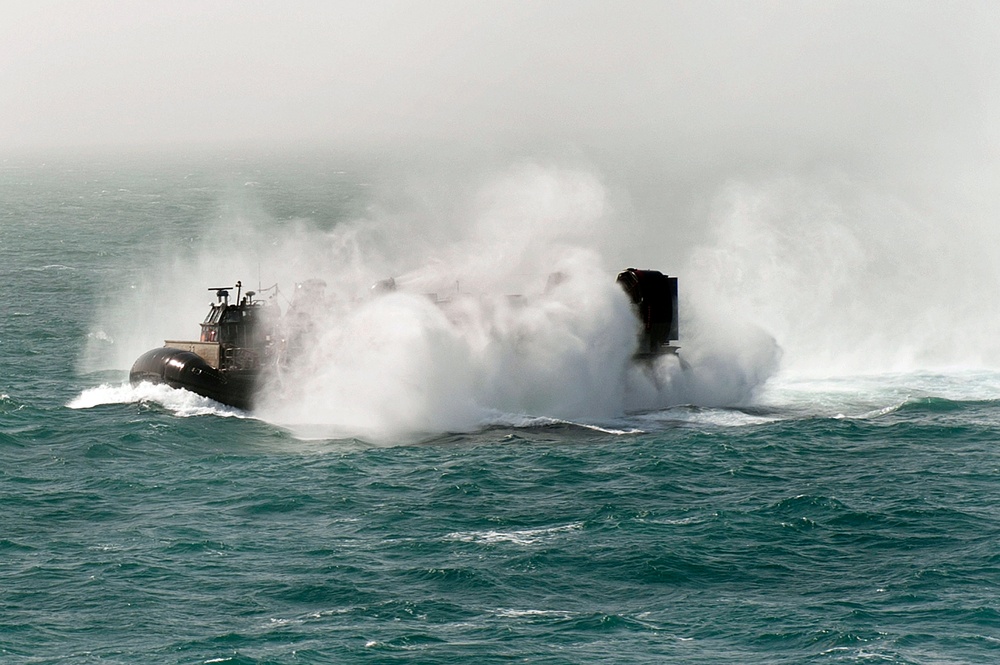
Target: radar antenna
{"x":222,"y":293}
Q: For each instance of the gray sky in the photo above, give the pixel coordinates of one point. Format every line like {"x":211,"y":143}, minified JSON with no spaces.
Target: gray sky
{"x":898,"y":79}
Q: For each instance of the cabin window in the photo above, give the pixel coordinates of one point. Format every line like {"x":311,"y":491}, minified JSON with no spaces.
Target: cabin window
{"x":232,"y":315}
{"x":213,"y":314}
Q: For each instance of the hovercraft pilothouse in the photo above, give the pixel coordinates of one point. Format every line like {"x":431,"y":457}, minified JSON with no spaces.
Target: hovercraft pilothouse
{"x":236,"y":345}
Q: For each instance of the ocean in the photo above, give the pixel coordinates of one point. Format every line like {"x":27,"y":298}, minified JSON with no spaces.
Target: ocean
{"x":495,"y":485}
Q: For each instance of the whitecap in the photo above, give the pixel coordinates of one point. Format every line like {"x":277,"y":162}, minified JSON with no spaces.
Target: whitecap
{"x":520,"y":537}
{"x":549,"y":614}
{"x":100,"y":336}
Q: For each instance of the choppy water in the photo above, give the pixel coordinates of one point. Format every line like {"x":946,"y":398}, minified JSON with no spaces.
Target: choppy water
{"x":826,"y":520}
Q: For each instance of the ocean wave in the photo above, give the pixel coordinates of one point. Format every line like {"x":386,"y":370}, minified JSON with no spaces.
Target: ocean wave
{"x":519,"y":537}
{"x":931,"y":405}
{"x":48,"y":268}
{"x":510,"y":613}
{"x":722,"y":417}
{"x":525,"y":421}
{"x":8,"y":405}
{"x":643,"y":423}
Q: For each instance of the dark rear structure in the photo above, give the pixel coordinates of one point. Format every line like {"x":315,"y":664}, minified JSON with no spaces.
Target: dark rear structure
{"x":654,"y":296}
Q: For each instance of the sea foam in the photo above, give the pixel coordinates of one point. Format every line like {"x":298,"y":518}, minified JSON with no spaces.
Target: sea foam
{"x":181,"y":402}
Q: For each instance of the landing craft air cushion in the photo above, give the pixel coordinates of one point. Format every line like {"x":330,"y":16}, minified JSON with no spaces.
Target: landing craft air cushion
{"x":241,"y":342}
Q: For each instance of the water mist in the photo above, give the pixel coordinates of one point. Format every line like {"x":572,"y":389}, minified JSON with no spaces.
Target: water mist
{"x":501,"y":312}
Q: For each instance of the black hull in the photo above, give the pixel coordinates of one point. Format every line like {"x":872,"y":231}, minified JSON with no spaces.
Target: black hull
{"x":183,"y":369}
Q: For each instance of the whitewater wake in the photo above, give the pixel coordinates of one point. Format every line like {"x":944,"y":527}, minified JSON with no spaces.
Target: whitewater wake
{"x":874,"y":395}
{"x":183,"y":403}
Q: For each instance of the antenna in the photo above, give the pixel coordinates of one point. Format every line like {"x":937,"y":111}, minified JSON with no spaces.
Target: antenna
{"x":222,"y":293}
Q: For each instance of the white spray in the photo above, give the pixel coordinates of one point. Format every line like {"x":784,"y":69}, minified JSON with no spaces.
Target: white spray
{"x":499,"y":316}
{"x":849,"y":279}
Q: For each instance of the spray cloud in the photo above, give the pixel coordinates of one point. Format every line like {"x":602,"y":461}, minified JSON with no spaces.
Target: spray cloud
{"x":500,"y":313}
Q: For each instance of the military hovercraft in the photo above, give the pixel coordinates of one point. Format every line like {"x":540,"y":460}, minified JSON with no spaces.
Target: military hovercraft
{"x":241,"y":340}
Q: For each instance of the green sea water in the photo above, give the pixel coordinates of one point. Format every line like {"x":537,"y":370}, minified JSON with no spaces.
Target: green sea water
{"x":810,"y":520}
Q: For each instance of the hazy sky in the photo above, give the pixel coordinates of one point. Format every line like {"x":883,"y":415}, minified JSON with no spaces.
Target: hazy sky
{"x":899,"y":78}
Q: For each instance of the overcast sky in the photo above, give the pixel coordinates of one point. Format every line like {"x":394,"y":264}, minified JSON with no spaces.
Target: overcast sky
{"x":896,"y":78}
